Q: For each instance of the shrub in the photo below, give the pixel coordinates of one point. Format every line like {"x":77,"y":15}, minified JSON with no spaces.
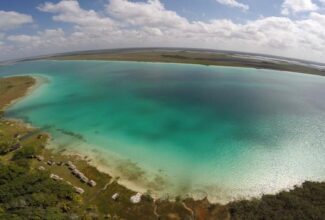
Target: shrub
{"x":306,"y":202}
{"x":33,"y":195}
{"x":4,"y":147}
{"x":25,"y":152}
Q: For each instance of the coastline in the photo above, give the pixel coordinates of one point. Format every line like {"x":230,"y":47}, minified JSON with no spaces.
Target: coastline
{"x":99,"y":164}
{"x":138,"y":186}
{"x":108,"y":163}
{"x":97,"y":201}
{"x":144,"y":184}
{"x":77,"y":155}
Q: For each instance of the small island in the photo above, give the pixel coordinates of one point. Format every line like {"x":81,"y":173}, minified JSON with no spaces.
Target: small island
{"x":40,"y":183}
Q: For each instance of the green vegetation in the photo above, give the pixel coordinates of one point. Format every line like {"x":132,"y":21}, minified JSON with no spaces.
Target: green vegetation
{"x":6,"y":145}
{"x":306,"y":202}
{"x":26,"y":194}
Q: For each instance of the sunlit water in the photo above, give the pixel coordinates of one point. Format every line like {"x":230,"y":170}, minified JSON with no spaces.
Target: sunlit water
{"x":184,"y":129}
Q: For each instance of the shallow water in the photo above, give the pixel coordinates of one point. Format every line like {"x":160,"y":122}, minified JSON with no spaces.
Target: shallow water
{"x":191,"y":129}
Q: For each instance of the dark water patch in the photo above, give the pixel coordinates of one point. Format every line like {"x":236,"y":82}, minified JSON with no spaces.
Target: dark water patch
{"x":72,"y":134}
{"x":202,"y":125}
{"x":226,"y":102}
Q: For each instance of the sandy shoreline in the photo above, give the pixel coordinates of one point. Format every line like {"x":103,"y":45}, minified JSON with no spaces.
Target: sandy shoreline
{"x":94,"y":162}
{"x":100,"y":164}
{"x":107,"y":164}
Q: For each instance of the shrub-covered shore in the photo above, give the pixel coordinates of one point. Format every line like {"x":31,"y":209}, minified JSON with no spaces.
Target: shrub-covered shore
{"x":37,"y":183}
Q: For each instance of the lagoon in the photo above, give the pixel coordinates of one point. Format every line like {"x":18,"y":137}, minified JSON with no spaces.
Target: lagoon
{"x":180,"y":129}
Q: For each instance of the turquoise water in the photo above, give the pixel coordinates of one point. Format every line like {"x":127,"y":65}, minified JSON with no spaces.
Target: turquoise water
{"x":183,"y":129}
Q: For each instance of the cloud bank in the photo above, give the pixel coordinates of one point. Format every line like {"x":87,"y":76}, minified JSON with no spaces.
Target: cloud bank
{"x":123,"y":23}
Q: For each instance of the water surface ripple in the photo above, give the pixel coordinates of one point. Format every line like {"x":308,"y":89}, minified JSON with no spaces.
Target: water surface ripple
{"x":184,"y":129}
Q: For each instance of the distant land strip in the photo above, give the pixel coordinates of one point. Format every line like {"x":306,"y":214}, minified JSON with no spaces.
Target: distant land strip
{"x":203,"y":57}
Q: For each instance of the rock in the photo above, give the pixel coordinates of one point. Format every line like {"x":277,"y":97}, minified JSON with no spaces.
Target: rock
{"x":79,"y":190}
{"x":55,"y":177}
{"x":136,"y":198}
{"x":84,"y":179}
{"x":76,"y":172}
{"x":108,"y":216}
{"x":115,"y":196}
{"x":41,"y":168}
{"x":91,"y":183}
{"x":17,"y":135}
{"x":72,"y":167}
{"x":39,"y":158}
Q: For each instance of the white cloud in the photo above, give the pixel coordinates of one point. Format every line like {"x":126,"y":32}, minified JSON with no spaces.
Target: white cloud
{"x":297,"y":6}
{"x":129,"y":24}
{"x":22,"y":38}
{"x":49,"y":38}
{"x":12,"y":19}
{"x":70,"y":11}
{"x":153,"y":31}
{"x":234,"y":4}
{"x":151,"y":13}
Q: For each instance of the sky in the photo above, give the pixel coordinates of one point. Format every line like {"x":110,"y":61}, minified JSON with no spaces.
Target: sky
{"x":291,"y":28}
